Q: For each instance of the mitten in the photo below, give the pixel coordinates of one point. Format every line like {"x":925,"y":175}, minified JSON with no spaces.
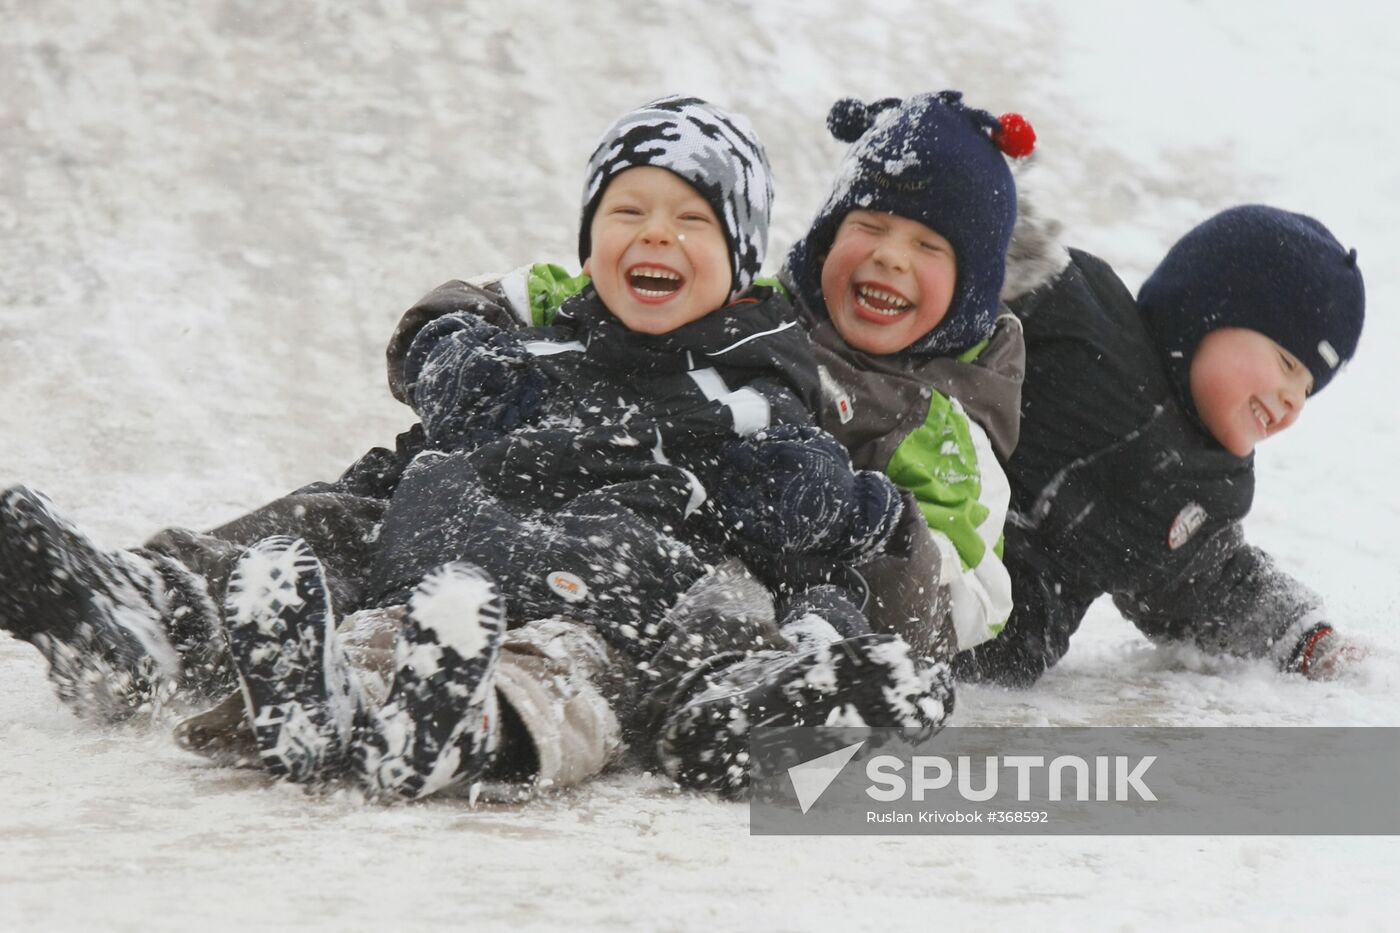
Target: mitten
{"x":792,"y":489}
{"x":454,"y":297}
{"x":471,"y":382}
{"x":1322,"y":654}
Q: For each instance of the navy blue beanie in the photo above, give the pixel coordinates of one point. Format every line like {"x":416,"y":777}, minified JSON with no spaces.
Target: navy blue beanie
{"x":1278,"y":273}
{"x":932,"y":159}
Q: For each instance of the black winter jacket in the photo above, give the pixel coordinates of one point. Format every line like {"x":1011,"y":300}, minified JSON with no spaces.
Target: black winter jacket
{"x":586,"y":448}
{"x":779,"y":367}
{"x":1117,"y":488}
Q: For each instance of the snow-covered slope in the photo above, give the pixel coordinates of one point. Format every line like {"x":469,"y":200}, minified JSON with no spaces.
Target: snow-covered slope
{"x":212,"y":213}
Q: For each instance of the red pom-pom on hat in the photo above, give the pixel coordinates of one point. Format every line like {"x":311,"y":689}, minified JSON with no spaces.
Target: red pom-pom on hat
{"x":1014,"y":136}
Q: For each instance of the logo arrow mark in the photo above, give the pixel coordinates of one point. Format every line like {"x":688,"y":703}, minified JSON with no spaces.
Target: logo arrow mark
{"x":811,"y":778}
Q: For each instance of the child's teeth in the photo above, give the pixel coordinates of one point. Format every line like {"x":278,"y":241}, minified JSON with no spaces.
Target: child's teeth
{"x":894,"y":304}
{"x":641,"y":277}
{"x":1260,"y":414}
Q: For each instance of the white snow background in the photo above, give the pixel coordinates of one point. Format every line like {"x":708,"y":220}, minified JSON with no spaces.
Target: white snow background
{"x":212,"y":213}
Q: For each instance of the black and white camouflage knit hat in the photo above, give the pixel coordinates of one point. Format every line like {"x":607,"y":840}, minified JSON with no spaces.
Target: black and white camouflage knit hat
{"x":716,"y":152}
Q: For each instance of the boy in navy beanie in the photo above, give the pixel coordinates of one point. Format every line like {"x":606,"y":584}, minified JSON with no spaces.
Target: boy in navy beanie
{"x":1140,"y":419}
{"x":1274,"y":275}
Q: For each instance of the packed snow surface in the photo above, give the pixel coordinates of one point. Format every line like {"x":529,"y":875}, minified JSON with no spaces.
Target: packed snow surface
{"x":212,"y":213}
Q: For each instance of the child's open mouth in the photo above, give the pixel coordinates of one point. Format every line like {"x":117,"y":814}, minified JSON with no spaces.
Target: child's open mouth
{"x":881,"y":300}
{"x":1261,"y":414}
{"x":654,"y":283}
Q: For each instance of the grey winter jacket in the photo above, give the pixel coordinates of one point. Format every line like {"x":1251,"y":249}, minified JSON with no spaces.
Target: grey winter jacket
{"x":873,"y":405}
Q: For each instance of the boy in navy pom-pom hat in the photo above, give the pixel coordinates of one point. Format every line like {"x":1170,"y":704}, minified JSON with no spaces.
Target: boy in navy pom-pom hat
{"x":899,"y":279}
{"x":933,"y":162}
{"x":1135,"y":466}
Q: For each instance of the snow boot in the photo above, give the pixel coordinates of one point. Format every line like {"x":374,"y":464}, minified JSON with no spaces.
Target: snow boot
{"x":869,"y":680}
{"x":439,"y":725}
{"x":281,"y":635}
{"x":727,"y":610}
{"x":96,"y":616}
{"x":822,"y":615}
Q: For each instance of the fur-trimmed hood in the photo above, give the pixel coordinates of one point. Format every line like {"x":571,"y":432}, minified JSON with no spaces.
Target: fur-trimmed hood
{"x":1036,"y":256}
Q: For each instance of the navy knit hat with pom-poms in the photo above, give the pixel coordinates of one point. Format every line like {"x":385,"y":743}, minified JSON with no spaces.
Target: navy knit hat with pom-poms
{"x":932,"y":159}
{"x":715,"y":151}
{"x":1272,"y":271}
